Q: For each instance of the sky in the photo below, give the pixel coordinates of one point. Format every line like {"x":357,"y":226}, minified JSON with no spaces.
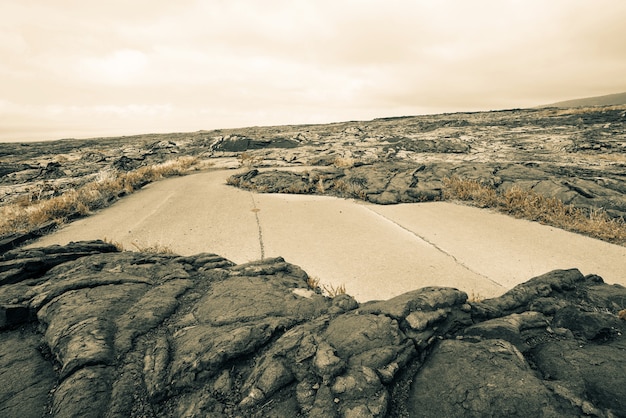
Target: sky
{"x":92,"y":68}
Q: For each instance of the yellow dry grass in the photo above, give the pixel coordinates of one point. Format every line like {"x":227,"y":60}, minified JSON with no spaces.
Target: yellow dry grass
{"x":108,"y":186}
{"x":585,"y":110}
{"x":350,"y":189}
{"x":327,"y":290}
{"x":313,"y":283}
{"x":333,"y":291}
{"x":248,"y":160}
{"x":118,"y":245}
{"x":156,"y":248}
{"x":533,"y":206}
{"x":344,"y":162}
{"x":475,"y":297}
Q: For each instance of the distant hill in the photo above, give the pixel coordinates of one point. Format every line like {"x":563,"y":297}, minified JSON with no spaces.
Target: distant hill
{"x":608,"y":100}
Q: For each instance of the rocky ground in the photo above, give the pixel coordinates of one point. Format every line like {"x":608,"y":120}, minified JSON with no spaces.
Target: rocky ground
{"x":577,"y":155}
{"x":90,"y":331}
{"x":86,"y":330}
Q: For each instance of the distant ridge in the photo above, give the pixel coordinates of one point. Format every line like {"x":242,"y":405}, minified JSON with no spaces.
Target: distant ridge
{"x":608,"y":100}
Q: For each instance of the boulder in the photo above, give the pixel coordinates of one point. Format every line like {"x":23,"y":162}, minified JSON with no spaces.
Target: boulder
{"x":240,"y":143}
{"x":90,"y":331}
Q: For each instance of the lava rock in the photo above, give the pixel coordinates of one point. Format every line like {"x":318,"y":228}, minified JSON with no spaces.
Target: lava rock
{"x":87,"y":330}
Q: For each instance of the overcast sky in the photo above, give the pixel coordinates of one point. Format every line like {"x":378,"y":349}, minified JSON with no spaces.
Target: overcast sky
{"x":83,"y":68}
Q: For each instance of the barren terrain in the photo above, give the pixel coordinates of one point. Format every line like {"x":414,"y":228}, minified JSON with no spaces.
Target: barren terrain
{"x":91,"y":329}
{"x":577,"y":155}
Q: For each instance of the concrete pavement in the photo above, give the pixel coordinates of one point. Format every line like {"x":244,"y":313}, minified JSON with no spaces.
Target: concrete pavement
{"x":377,"y":252}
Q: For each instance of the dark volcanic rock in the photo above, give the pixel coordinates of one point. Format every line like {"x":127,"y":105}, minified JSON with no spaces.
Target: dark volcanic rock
{"x":91,"y":332}
{"x":12,"y":168}
{"x":125,"y":164}
{"x":86,"y":330}
{"x":401,"y":182}
{"x":575,"y":155}
{"x":381,"y":183}
{"x":481,"y":378}
{"x":238,"y":143}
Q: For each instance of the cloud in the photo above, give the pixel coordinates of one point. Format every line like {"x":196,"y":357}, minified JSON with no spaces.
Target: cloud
{"x":209,"y":64}
{"x":123,"y":66}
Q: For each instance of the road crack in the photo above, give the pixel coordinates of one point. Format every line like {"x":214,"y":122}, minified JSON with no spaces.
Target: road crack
{"x":435,"y":246}
{"x":256,"y":211}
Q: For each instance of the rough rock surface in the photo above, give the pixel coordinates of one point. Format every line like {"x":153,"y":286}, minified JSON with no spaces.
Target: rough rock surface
{"x":401,"y":182}
{"x":574,"y":155}
{"x":86,"y":330}
{"x":577,"y":155}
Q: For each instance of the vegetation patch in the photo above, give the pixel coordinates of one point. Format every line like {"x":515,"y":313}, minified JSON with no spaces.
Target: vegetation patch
{"x":326,"y":290}
{"x":527,"y":204}
{"x":248,"y":160}
{"x":156,"y":248}
{"x":28,"y":215}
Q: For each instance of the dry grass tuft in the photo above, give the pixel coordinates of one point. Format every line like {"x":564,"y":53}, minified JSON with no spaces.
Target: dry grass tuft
{"x":233,"y":181}
{"x":333,"y":291}
{"x":527,"y":204}
{"x":106,"y":188}
{"x":298,"y":187}
{"x":313,"y":283}
{"x":327,"y":290}
{"x":157,"y":248}
{"x":321,"y":188}
{"x":470,"y":190}
{"x":586,"y":110}
{"x":248,"y":160}
{"x":116,"y":244}
{"x":344,"y":162}
{"x":475,"y":297}
{"x":350,"y":189}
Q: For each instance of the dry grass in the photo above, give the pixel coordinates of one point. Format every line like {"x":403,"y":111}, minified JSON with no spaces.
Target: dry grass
{"x":533,"y":206}
{"x":475,"y":297}
{"x":350,"y":189}
{"x":333,"y":291}
{"x":313,"y":283}
{"x":321,"y":188}
{"x":248,"y":160}
{"x":586,"y":110}
{"x":327,"y":290}
{"x":470,"y":190}
{"x":106,"y":188}
{"x":118,"y":245}
{"x":344,"y":162}
{"x":298,"y":187}
{"x":157,"y":248}
{"x":233,"y":181}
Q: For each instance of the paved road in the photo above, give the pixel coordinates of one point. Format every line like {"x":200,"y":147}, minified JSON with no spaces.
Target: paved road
{"x":376,"y":251}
